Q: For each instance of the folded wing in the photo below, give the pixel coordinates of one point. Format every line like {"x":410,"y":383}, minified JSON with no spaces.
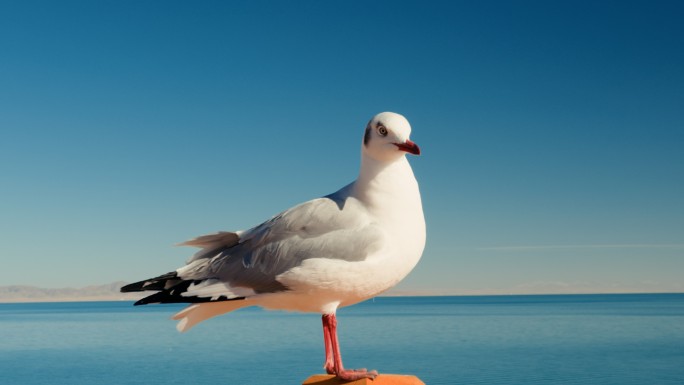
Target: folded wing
{"x":236,"y":265}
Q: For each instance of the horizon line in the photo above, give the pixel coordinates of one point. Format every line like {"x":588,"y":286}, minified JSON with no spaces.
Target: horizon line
{"x":111,"y":299}
{"x":589,"y":246}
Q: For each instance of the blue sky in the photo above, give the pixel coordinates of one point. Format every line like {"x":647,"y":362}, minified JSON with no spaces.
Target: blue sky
{"x":552,"y":133}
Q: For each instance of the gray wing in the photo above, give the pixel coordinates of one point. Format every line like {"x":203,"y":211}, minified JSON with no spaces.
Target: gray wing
{"x":321,"y":228}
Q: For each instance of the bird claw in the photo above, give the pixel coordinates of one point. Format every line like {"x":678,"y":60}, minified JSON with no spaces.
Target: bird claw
{"x":352,"y":375}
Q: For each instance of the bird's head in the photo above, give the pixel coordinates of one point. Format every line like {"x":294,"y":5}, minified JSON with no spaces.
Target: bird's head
{"x":387,"y":137}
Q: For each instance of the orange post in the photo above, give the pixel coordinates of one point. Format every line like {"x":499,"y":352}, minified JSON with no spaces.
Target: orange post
{"x":382,"y":379}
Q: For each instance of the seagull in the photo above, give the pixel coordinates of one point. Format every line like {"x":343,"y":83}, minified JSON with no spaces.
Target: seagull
{"x":318,"y":256}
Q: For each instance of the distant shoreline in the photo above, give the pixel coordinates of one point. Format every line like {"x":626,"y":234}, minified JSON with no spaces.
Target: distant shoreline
{"x":111,"y":292}
{"x":132,"y":298}
{"x":79,"y":299}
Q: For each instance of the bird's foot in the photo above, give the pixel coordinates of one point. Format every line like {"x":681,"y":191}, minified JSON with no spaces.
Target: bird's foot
{"x":350,"y":374}
{"x":355,"y":374}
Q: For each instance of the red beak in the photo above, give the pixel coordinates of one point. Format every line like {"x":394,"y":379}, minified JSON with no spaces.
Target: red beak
{"x":409,"y":147}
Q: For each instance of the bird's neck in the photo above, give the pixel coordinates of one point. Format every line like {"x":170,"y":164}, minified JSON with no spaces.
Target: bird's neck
{"x":390,"y":193}
{"x":386,"y":185}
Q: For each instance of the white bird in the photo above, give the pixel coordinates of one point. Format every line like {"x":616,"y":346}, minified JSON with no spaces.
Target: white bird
{"x":318,"y":256}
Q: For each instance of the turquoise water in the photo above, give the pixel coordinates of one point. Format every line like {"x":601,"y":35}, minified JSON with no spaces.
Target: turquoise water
{"x":572,"y":339}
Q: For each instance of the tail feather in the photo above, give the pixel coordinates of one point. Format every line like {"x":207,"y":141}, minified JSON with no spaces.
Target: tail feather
{"x":196,"y":313}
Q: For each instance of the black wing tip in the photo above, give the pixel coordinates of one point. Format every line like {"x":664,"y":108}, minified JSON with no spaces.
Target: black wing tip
{"x":169,"y":296}
{"x":131,"y":287}
{"x":153,"y":284}
{"x":157,"y":283}
{"x":173,"y":294}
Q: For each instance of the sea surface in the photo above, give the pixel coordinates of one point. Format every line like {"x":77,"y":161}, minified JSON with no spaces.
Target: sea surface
{"x":555,"y":339}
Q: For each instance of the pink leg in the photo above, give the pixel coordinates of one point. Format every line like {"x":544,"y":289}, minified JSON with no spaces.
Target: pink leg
{"x":333,"y":365}
{"x":329,"y":362}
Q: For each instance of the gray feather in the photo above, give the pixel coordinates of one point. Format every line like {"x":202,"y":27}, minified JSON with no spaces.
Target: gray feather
{"x":211,"y":244}
{"x":321,"y":228}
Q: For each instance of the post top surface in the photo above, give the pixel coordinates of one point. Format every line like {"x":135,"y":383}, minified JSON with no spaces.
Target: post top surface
{"x":382,"y":379}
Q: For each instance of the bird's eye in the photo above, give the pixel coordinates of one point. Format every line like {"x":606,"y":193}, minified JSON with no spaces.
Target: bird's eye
{"x":382,"y":130}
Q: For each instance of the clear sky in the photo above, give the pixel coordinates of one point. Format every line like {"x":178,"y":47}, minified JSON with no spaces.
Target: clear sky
{"x":552,"y":133}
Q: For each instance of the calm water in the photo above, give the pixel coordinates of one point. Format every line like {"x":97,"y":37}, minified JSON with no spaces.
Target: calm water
{"x":576,"y":339}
